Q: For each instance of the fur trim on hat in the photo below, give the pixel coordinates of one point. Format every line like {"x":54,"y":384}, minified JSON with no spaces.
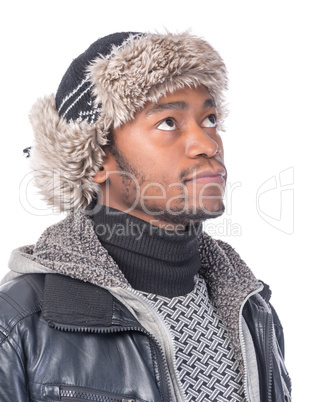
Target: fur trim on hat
{"x":66,"y":155}
{"x":147,"y":68}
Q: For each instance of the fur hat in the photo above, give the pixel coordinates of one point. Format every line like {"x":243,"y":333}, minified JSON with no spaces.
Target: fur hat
{"x":101,"y":90}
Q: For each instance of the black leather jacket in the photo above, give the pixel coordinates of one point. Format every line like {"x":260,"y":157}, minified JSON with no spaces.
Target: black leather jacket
{"x":62,"y":339}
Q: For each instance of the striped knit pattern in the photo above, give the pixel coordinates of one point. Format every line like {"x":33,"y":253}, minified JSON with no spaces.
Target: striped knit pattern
{"x":74,"y":97}
{"x":205,"y":359}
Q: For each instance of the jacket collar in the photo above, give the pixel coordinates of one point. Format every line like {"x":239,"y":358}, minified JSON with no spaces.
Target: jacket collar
{"x":71,"y":248}
{"x":70,"y":304}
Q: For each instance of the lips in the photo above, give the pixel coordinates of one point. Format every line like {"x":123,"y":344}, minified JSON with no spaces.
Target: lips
{"x":208,"y":176}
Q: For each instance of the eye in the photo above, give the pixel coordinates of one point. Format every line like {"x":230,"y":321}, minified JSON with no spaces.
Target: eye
{"x":167,"y":125}
{"x":210,"y":121}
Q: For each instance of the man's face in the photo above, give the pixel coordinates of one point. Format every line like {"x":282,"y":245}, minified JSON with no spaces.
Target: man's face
{"x":166,"y":166}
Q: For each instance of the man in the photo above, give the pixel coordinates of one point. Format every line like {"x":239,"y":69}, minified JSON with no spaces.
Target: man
{"x":127,"y":299}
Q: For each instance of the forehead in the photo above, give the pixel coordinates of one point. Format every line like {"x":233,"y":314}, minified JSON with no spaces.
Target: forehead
{"x":181,"y":99}
{"x":186,"y":98}
{"x":186,"y":92}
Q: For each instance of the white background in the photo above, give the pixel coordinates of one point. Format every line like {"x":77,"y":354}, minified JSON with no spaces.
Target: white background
{"x":267,"y":47}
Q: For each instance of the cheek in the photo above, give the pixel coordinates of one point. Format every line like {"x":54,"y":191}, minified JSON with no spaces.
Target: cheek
{"x":158,"y":162}
{"x":155,"y":160}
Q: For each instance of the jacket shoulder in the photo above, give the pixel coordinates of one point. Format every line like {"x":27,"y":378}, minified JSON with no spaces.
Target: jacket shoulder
{"x":20,"y":298}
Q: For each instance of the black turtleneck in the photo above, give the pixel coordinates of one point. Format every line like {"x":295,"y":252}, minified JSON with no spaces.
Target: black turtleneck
{"x":153,"y":259}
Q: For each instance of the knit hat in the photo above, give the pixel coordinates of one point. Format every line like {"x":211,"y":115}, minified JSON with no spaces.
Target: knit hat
{"x":101,"y":90}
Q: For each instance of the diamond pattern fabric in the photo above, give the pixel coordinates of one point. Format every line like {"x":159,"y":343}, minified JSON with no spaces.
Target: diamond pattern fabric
{"x":205,"y":360}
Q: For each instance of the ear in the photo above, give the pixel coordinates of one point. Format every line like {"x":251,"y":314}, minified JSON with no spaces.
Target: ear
{"x":108,"y":165}
{"x":101,"y":175}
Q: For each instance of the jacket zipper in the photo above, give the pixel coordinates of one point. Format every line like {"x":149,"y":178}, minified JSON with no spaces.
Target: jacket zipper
{"x":160,"y":356}
{"x":242,"y":341}
{"x":270,"y":358}
{"x":90,"y":395}
{"x":167,"y":373}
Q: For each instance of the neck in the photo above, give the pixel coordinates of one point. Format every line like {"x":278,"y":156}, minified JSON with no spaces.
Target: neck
{"x":153,"y":259}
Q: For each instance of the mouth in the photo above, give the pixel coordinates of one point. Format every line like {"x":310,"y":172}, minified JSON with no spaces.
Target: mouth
{"x":208,"y":176}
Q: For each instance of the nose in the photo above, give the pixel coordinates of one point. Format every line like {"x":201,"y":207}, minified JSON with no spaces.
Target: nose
{"x":202,"y":142}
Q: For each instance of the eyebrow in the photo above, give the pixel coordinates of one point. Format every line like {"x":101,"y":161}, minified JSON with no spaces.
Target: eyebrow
{"x":179,"y":105}
{"x":209,"y":103}
{"x":160,"y":107}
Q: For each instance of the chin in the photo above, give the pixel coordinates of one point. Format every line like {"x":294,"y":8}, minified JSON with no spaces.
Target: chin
{"x":194,"y":215}
{"x":212,"y":211}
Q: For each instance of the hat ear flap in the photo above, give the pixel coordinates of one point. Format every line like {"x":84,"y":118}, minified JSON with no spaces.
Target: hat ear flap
{"x":65,"y":157}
